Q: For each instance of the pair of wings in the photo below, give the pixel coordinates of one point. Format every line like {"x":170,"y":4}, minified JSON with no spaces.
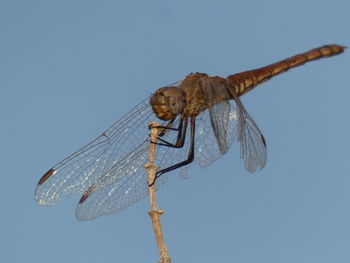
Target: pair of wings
{"x":112,"y":164}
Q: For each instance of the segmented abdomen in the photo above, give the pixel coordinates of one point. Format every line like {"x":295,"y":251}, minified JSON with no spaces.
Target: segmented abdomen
{"x":246,"y":81}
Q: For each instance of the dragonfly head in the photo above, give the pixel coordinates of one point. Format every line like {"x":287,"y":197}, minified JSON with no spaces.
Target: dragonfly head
{"x":167,"y":102}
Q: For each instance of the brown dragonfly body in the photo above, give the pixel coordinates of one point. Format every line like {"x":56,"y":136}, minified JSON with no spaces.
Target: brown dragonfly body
{"x":241,"y":83}
{"x":108,"y":171}
{"x":199,"y":92}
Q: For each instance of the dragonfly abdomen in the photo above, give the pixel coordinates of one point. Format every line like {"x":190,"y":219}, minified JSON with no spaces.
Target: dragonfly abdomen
{"x":246,"y":81}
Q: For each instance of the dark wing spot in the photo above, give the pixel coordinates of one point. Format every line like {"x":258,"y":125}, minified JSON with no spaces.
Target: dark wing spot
{"x":46,"y":176}
{"x":86,"y":194}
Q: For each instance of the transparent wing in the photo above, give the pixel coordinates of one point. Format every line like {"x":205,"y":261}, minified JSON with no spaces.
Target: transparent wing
{"x":229,"y":122}
{"x":253,"y":145}
{"x":219,"y":118}
{"x":124,"y":142}
{"x":109,"y":172}
{"x":123,"y":185}
{"x":219,"y":110}
{"x":210,"y":144}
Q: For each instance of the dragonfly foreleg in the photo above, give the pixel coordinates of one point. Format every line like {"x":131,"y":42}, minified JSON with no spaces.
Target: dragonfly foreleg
{"x":181,"y":129}
{"x":164,"y":129}
{"x":190,"y":157}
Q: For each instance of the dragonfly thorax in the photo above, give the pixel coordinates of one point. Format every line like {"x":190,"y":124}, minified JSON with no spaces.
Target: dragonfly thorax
{"x":167,"y":102}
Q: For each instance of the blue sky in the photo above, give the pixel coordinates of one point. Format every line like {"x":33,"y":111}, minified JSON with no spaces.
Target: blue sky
{"x":69,"y":69}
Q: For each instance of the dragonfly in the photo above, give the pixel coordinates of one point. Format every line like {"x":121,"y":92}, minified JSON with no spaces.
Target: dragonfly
{"x":200,"y":117}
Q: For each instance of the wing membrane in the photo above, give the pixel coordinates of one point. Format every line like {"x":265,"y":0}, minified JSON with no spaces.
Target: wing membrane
{"x":252,"y":142}
{"x":229,"y":122}
{"x":78,"y":172}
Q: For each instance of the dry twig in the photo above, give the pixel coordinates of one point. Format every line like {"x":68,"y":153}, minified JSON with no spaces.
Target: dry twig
{"x":155,"y":213}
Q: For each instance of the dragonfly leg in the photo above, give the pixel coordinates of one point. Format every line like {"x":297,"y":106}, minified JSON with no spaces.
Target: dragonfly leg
{"x":164,"y":129}
{"x":189,"y":159}
{"x":182,"y":128}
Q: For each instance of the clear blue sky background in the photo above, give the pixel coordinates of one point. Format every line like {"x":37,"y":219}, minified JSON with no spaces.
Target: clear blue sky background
{"x":69,"y":69}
